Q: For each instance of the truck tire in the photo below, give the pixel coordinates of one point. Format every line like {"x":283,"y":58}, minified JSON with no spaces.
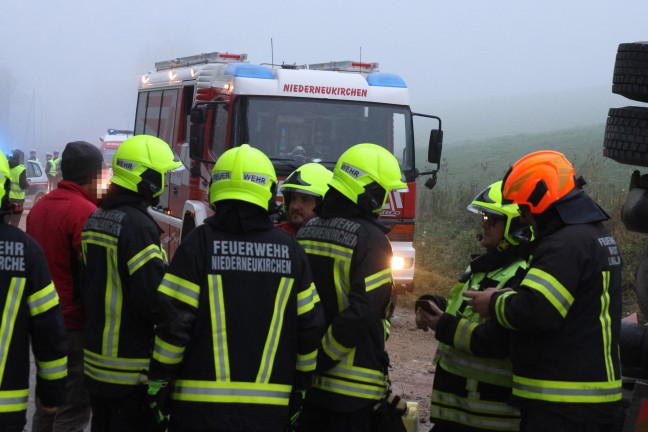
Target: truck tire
{"x":641,"y":287}
{"x":626,"y":136}
{"x":631,"y":71}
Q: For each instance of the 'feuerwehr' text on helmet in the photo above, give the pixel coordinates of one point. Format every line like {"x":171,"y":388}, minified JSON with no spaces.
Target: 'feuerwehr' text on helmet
{"x":140,"y":163}
{"x":539,"y":179}
{"x":243,"y":173}
{"x":489,"y":202}
{"x":365,"y":174}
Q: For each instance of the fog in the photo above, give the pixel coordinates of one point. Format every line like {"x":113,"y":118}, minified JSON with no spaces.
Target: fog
{"x":69,"y":70}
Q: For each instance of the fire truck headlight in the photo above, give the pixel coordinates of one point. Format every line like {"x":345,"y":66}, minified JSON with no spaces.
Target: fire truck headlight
{"x":400,"y":263}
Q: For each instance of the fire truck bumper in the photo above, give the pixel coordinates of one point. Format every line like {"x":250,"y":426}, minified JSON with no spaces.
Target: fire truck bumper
{"x":403,"y":267}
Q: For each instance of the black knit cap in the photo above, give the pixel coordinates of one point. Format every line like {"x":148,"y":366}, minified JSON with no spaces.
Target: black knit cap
{"x":81,"y":162}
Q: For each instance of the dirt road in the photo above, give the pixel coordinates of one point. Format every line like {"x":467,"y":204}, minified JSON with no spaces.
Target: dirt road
{"x":411,"y":352}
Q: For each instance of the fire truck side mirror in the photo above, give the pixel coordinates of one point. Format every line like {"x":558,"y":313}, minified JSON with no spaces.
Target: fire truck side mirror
{"x":197,"y":131}
{"x":435,"y":146}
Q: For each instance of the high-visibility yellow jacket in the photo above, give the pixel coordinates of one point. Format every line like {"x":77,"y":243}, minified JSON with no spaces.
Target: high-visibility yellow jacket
{"x":30,"y":310}
{"x":17,"y":191}
{"x":239,"y":329}
{"x":473,"y":378}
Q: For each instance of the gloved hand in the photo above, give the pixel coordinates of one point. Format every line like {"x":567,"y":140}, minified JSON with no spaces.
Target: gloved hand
{"x":157,"y":394}
{"x":295,"y":405}
{"x":391,"y":403}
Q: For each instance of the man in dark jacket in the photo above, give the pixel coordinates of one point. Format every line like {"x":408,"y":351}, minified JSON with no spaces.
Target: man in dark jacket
{"x":31,"y":311}
{"x":351,"y":260}
{"x":565,"y":316}
{"x":56,"y":222}
{"x":240,"y":316}
{"x":125,"y":263}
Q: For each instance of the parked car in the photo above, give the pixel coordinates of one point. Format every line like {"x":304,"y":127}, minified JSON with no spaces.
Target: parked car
{"x":37,"y":183}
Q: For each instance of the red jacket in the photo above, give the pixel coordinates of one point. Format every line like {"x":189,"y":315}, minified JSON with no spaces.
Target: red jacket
{"x":288,"y":227}
{"x":56,"y":222}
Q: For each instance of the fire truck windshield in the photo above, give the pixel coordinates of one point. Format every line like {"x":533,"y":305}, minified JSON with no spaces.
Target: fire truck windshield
{"x":304,"y":130}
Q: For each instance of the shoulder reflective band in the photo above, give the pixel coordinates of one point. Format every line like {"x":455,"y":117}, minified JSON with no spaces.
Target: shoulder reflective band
{"x":42,"y":300}
{"x":326,"y":249}
{"x":180,"y":289}
{"x":550,"y":288}
{"x":307,"y":299}
{"x":144,"y":256}
{"x":378,"y":279}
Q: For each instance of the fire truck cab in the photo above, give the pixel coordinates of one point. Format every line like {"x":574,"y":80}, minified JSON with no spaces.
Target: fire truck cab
{"x":111,"y":142}
{"x":205,"y":104}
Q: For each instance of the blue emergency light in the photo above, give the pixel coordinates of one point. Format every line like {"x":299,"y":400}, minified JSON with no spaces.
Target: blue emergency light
{"x":383,"y":79}
{"x":247,"y":70}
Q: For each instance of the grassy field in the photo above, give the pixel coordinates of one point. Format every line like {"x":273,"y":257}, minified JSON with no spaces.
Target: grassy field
{"x":445,"y":230}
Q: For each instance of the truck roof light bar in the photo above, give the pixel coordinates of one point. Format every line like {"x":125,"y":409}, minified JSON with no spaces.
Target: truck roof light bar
{"x":247,"y":70}
{"x":119,"y":131}
{"x":345,"y":66}
{"x":214,"y":57}
{"x":382,"y":79}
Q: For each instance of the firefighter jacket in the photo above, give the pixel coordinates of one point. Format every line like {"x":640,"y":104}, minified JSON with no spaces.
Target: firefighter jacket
{"x":18,"y":182}
{"x":124,"y":264}
{"x":240,"y":323}
{"x":351,"y":260}
{"x":473,"y":378}
{"x":30,"y":310}
{"x":565,"y":317}
{"x":56,"y":222}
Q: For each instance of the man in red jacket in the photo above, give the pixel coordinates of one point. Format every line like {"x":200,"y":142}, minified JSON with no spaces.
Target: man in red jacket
{"x":56,"y":222}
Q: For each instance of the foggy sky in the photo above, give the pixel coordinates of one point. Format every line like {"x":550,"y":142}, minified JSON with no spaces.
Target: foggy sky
{"x":69,"y":70}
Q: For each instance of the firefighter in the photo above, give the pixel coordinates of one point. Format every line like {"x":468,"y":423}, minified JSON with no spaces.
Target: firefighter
{"x":565,"y":315}
{"x":125,"y":264}
{"x":302,"y":191}
{"x":351,"y":260}
{"x":240,"y":316}
{"x":472,"y":382}
{"x":19,"y":186}
{"x":30,"y":311}
{"x":56,"y":222}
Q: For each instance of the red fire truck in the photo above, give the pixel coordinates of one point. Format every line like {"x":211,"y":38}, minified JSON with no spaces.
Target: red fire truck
{"x":204,"y":104}
{"x":109,"y":145}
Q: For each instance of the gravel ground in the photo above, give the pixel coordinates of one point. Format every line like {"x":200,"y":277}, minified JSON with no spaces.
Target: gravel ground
{"x":411,"y":352}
